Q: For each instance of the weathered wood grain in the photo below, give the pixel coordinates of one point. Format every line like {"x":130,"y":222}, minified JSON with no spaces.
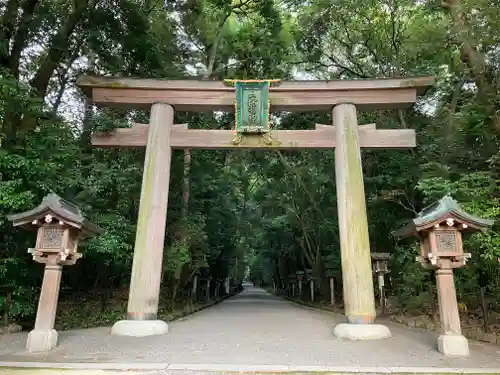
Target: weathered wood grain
{"x":322,"y":138}
{"x":323,"y":126}
{"x":151,"y":221}
{"x":359,"y":302}
{"x":191,"y":95}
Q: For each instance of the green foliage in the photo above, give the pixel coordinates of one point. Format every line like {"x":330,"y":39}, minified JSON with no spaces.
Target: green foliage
{"x":414,"y":284}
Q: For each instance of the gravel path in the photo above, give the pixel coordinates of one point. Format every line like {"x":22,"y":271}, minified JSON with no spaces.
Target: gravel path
{"x":253,"y":328}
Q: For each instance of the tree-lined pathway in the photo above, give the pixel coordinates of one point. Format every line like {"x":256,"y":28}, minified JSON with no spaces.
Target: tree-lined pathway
{"x":253,"y":328}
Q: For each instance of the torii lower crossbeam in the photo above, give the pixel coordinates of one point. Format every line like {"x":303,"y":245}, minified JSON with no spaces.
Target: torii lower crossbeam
{"x":323,"y":137}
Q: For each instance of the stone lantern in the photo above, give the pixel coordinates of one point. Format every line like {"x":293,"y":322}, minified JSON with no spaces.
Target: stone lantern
{"x":204,"y":275}
{"x":194,"y":286}
{"x":380,"y":268}
{"x":292,"y":279}
{"x":440,"y":227}
{"x":59,"y":224}
{"x":311,"y":279}
{"x":300,"y":280}
{"x":330,"y":274}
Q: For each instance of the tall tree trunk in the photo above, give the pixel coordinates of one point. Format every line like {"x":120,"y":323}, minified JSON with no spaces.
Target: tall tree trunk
{"x":63,"y":74}
{"x":463,"y":33}
{"x":57,"y":102}
{"x":185,"y":195}
{"x":19,"y":41}
{"x":7,"y":26}
{"x":58,"y":49}
{"x":86,"y":136}
{"x":187,"y":152}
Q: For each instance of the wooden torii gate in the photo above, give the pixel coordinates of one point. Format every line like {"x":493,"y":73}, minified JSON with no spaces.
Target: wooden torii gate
{"x":160,"y":136}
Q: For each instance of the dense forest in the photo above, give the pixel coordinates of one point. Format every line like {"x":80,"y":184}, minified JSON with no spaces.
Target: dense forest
{"x":229,"y":211}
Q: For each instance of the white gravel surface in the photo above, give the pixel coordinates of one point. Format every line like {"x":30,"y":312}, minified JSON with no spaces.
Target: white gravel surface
{"x":253,"y":328}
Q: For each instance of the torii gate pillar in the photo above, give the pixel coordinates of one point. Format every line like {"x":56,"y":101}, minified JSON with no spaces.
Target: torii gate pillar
{"x":359,"y":302}
{"x":149,"y":241}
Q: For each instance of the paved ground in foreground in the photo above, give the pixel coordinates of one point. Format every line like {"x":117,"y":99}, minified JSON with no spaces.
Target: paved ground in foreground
{"x":254,"y":328}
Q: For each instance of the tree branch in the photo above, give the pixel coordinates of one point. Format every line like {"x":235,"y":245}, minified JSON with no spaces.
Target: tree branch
{"x":14,"y":59}
{"x":343,"y":67}
{"x":7,"y":25}
{"x":58,"y":48}
{"x":471,"y":55}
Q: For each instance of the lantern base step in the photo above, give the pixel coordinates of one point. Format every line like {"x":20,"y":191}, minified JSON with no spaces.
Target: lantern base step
{"x":351,"y":331}
{"x":139,"y":328}
{"x":453,"y":345}
{"x":41,"y":340}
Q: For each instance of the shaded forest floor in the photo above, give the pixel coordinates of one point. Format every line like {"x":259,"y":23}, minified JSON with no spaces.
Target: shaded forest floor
{"x":101,"y":308}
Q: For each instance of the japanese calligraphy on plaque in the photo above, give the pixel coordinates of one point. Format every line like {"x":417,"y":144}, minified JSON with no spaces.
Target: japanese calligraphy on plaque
{"x":252,"y":105}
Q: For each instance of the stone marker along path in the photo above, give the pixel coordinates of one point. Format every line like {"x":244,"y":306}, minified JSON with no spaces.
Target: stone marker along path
{"x":252,"y":328}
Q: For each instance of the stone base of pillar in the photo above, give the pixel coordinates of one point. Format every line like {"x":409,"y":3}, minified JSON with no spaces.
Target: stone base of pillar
{"x":41,"y":340}
{"x":453,"y":345}
{"x":139,"y":328}
{"x":351,"y":331}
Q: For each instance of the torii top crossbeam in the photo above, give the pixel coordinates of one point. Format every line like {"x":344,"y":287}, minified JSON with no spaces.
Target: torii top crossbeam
{"x":196,"y":95}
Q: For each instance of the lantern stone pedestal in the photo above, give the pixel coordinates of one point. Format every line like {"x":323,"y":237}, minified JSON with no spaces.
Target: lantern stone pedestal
{"x":332,"y":290}
{"x":330,"y":275}
{"x":440,"y":227}
{"x":44,"y":337}
{"x":60,"y":224}
{"x":451,"y":343}
{"x":300,"y":280}
{"x":311,"y":279}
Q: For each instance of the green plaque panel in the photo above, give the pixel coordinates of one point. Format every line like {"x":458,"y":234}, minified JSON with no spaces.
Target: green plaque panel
{"x":252,"y":105}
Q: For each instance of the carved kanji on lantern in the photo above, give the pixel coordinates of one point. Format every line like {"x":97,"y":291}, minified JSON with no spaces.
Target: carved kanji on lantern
{"x":251,"y":106}
{"x":440,"y":227}
{"x":59,"y":224}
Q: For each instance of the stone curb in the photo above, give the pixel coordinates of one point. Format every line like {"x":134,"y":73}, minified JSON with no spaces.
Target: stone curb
{"x":240,"y":368}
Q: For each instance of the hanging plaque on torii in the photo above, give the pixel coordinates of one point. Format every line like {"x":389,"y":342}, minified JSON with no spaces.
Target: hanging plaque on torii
{"x":251,"y":107}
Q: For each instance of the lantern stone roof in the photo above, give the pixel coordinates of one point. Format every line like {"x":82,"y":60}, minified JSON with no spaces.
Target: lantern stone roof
{"x":439,"y":211}
{"x":380,"y":256}
{"x":61,"y":209}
